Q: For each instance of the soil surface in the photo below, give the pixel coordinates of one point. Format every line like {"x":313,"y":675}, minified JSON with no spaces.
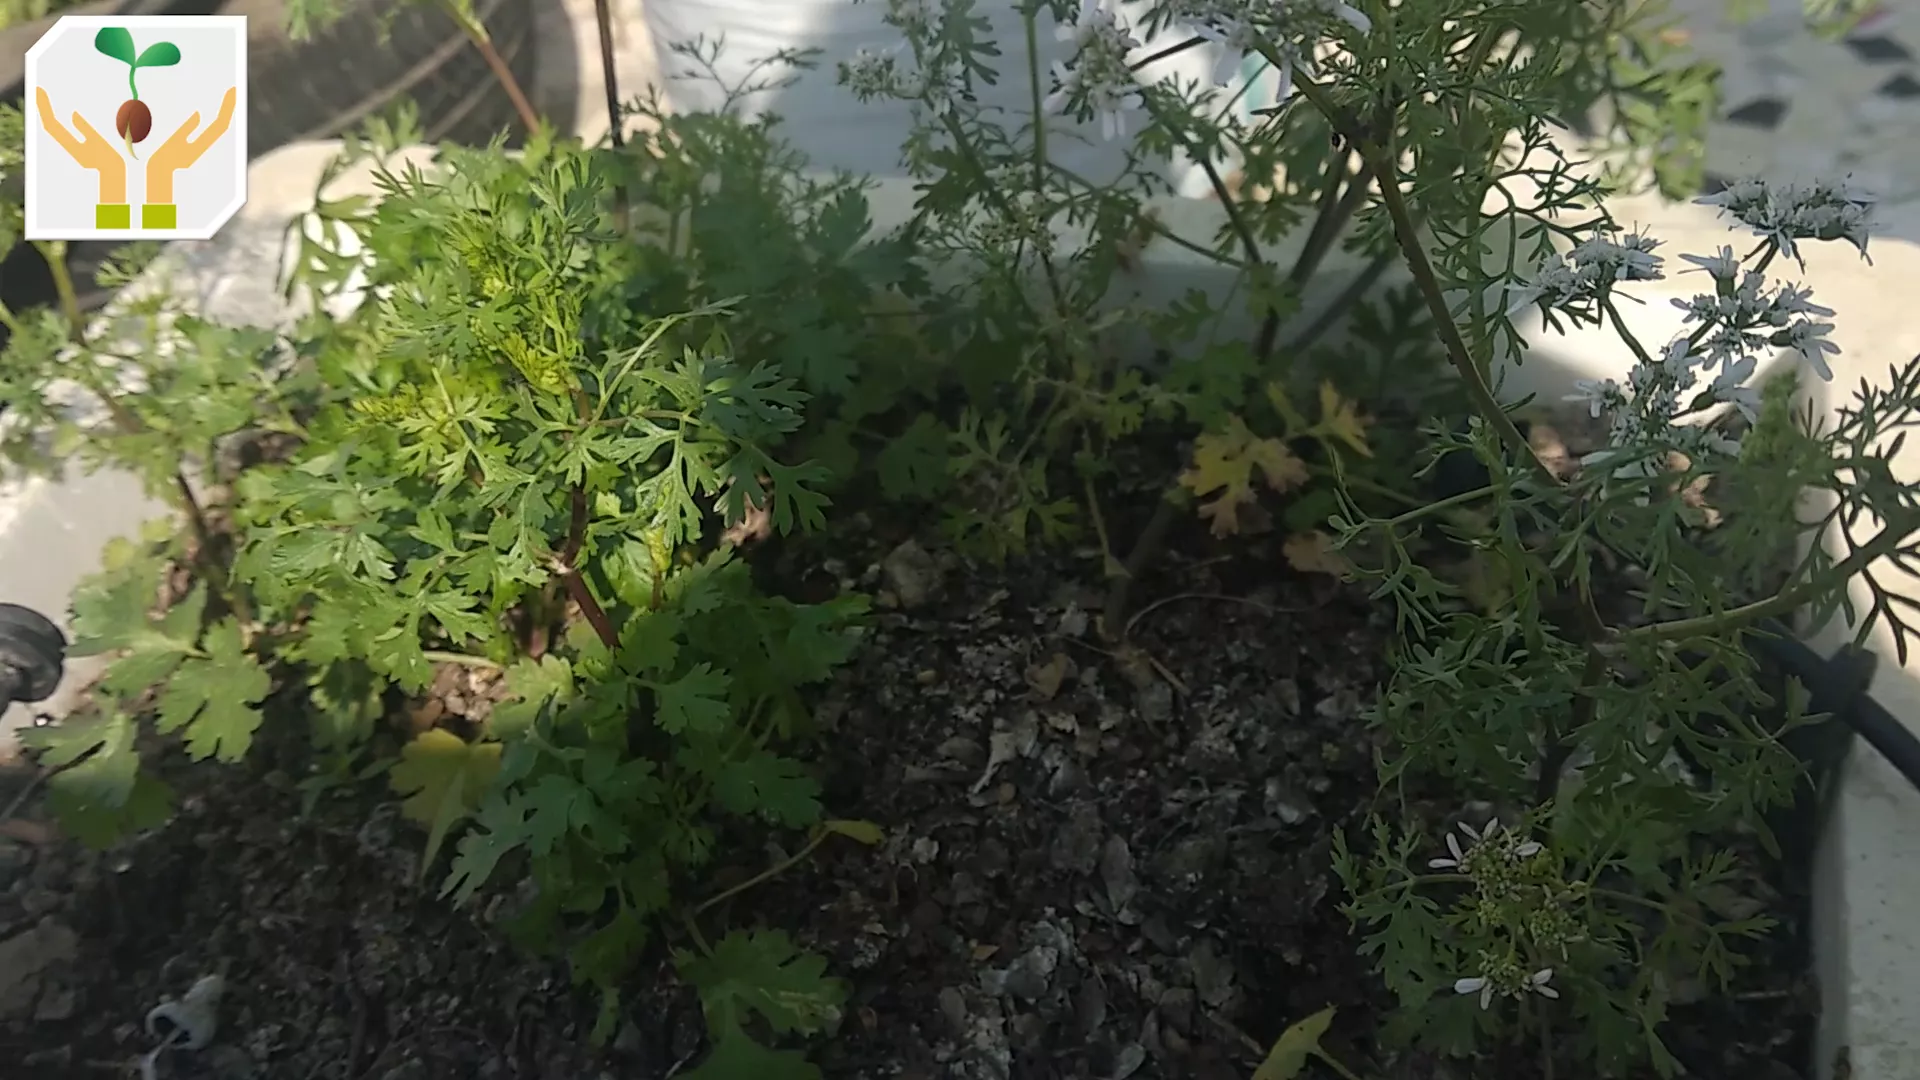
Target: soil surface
{"x":1100,"y":863}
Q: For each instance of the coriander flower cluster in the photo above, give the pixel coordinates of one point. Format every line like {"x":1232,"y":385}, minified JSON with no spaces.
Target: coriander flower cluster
{"x":1099,"y":82}
{"x":1237,"y":26}
{"x":1510,"y":887}
{"x":1712,"y":364}
{"x":1785,"y":213}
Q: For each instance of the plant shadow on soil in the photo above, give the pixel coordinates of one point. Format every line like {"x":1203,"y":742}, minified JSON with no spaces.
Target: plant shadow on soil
{"x":1097,"y":865}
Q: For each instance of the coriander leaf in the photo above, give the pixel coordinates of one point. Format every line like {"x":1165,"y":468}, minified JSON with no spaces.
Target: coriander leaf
{"x":914,"y":464}
{"x":762,"y":782}
{"x":605,"y":956}
{"x":442,"y":778}
{"x":762,"y":971}
{"x":649,"y":642}
{"x":695,"y":701}
{"x":534,"y":683}
{"x":148,"y":805}
{"x":1294,"y":1046}
{"x":498,"y":828}
{"x":216,"y":697}
{"x":736,"y":1056}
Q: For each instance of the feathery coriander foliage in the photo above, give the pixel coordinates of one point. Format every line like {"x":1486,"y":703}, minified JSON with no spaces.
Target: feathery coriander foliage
{"x":523,"y":463}
{"x":510,"y":433}
{"x":1045,"y":310}
{"x":1617,"y":751}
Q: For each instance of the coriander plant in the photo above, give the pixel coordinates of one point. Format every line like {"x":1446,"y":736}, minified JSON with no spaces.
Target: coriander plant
{"x":1617,"y":750}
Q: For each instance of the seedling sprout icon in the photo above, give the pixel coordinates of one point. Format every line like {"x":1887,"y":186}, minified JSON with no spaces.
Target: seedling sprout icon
{"x":163,"y":159}
{"x":134,"y":121}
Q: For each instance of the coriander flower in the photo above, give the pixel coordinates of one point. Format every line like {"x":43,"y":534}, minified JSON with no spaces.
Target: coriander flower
{"x":1238,"y":27}
{"x":1535,"y":983}
{"x":1098,"y":80}
{"x":1784,"y":213}
{"x":1723,"y":266}
{"x":1491,"y":835}
{"x":871,"y":74}
{"x":1588,"y":270}
{"x":1809,"y":339}
{"x":1599,"y":395}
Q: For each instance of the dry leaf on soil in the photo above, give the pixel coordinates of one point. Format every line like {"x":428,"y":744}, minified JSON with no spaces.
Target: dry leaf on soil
{"x":1314,"y":553}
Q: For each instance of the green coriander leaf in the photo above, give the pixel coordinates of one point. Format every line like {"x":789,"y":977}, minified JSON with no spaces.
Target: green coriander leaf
{"x":762,"y":782}
{"x":762,"y":971}
{"x":216,"y":697}
{"x":499,"y":827}
{"x":695,"y":701}
{"x":736,"y":1056}
{"x":534,"y":683}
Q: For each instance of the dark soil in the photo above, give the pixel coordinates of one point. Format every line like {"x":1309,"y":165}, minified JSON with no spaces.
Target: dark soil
{"x":1099,"y":863}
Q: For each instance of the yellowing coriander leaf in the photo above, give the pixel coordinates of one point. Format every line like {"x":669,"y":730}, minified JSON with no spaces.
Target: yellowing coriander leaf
{"x":860,"y":832}
{"x":1224,"y":462}
{"x":1294,"y":1046}
{"x":1341,"y":421}
{"x":442,"y":778}
{"x":1314,"y":553}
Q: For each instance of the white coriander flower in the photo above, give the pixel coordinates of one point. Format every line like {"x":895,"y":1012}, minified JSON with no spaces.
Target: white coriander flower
{"x":1784,"y":213}
{"x":1292,"y":27}
{"x":1097,"y":81}
{"x":1723,"y":266}
{"x":1475,"y":985}
{"x":1809,"y":339}
{"x":1538,"y":983}
{"x":1453,"y":848}
{"x":1599,"y":395}
{"x":871,"y":74}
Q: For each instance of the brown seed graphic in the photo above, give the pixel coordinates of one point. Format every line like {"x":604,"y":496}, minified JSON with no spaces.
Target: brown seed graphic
{"x":134,"y":121}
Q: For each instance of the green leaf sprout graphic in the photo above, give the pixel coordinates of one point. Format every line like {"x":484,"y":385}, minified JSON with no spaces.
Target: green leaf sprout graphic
{"x":134,"y":119}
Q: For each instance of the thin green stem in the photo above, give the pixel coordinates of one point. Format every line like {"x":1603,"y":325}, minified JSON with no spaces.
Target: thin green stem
{"x":437,"y":656}
{"x":8,"y":320}
{"x":1386,"y":181}
{"x":55,"y":253}
{"x":819,"y":837}
{"x":1451,"y":502}
{"x":1169,"y":51}
{"x":1888,"y":541}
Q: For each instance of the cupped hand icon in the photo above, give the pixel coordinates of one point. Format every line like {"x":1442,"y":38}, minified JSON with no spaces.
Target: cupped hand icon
{"x":183,"y":148}
{"x":88,"y":150}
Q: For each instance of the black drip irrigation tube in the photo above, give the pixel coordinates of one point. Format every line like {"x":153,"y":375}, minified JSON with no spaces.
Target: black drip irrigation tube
{"x":1837,"y":686}
{"x":33,"y":655}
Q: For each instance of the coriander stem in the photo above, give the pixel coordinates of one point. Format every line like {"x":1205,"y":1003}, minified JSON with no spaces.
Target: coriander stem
{"x":1886,"y":542}
{"x":55,"y":253}
{"x":483,"y":43}
{"x":1386,"y":180}
{"x":1171,"y":50}
{"x":819,"y":837}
